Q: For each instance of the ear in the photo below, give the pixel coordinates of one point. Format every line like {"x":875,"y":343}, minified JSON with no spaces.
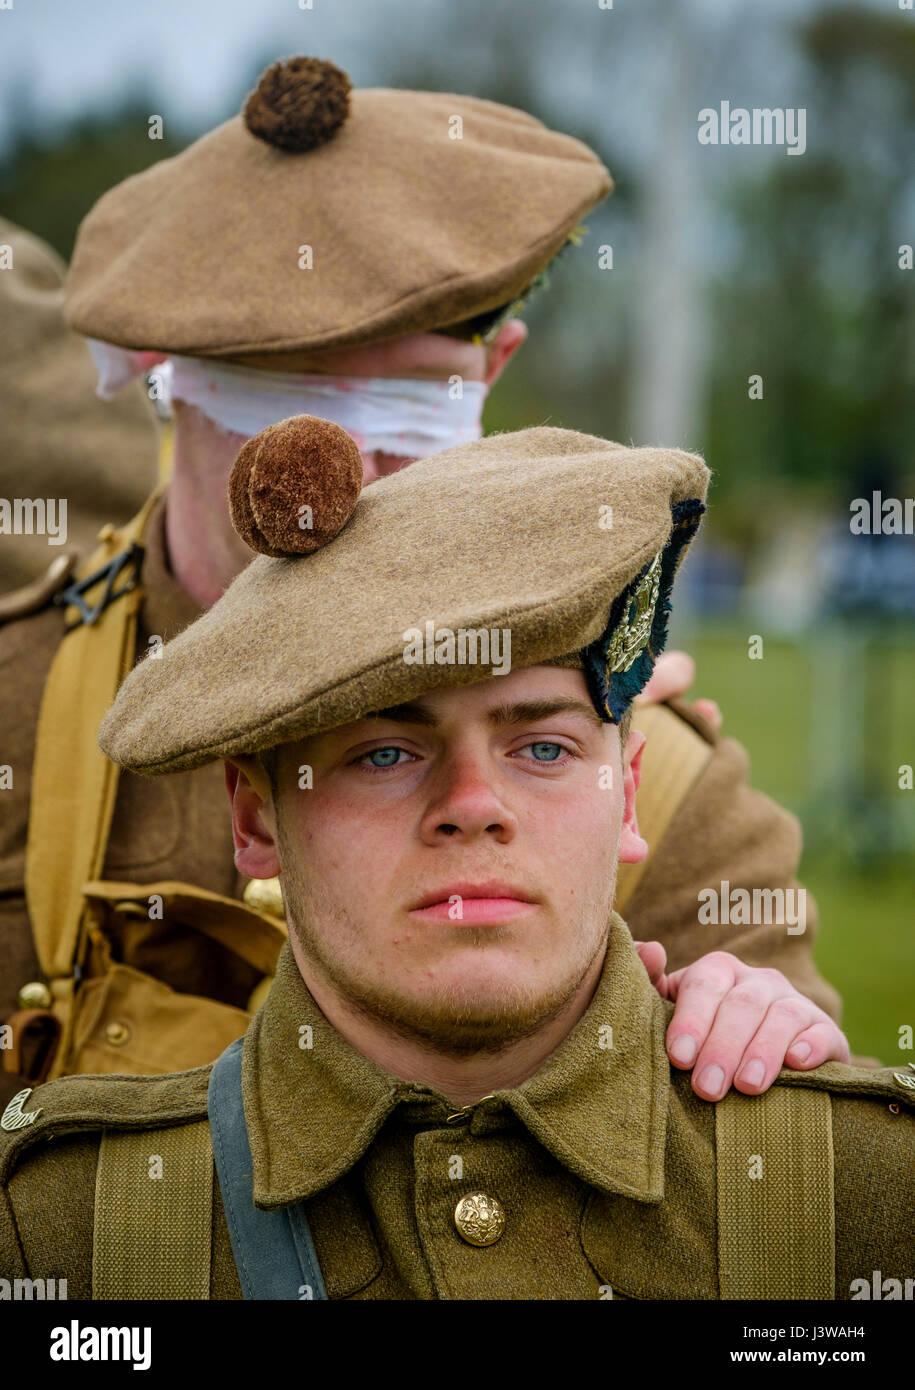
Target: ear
{"x":503,"y":348}
{"x":633,"y":848}
{"x":253,"y":818}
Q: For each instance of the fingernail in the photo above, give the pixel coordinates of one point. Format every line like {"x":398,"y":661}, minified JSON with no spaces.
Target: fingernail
{"x":754,"y":1073}
{"x":684,"y":1050}
{"x":800,"y":1052}
{"x":712,"y":1080}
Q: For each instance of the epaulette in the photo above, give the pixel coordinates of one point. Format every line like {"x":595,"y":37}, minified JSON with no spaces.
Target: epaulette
{"x":84,"y":1104}
{"x":33,"y":597}
{"x":893,"y":1084}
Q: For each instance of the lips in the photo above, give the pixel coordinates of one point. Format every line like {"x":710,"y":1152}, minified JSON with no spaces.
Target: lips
{"x":492,"y":889}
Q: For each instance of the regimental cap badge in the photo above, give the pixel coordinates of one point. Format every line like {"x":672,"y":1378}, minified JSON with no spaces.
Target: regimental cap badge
{"x":634,"y":631}
{"x":14,"y":1117}
{"x":619,"y":664}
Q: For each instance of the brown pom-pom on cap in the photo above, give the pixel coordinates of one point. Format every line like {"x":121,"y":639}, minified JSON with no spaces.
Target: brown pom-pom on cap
{"x":298,"y":104}
{"x":293,"y":487}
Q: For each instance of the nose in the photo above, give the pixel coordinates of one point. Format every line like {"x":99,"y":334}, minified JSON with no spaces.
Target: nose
{"x":465,"y":804}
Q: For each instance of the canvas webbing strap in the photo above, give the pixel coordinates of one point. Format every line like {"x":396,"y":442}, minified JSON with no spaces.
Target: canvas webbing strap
{"x":73,"y":784}
{"x":675,"y":755}
{"x":776,"y":1205}
{"x":274,"y":1252}
{"x":153,"y":1213}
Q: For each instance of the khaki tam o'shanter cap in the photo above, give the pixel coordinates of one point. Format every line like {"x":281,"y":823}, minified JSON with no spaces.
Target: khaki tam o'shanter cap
{"x":328,"y":218}
{"x":565,"y":541}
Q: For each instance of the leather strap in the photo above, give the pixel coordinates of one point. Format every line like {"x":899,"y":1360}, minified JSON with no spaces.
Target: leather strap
{"x":274,"y":1252}
{"x":34,"y":1033}
{"x":776,"y":1202}
{"x":153,"y":1214}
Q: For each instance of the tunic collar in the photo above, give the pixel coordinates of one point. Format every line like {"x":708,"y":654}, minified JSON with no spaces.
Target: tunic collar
{"x":313,"y":1104}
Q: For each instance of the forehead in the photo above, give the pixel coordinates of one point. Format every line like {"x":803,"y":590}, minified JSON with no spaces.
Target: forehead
{"x":528,"y":684}
{"x":430,"y":355}
{"x":523,"y":696}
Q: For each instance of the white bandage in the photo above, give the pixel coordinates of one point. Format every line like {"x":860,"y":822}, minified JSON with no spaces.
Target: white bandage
{"x":397,"y":415}
{"x":117,"y":367}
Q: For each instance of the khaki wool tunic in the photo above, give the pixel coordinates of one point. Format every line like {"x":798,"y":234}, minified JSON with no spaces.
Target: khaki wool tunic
{"x":603,"y":1161}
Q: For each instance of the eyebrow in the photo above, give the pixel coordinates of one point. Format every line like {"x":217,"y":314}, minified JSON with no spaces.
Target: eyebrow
{"x":522,"y":712}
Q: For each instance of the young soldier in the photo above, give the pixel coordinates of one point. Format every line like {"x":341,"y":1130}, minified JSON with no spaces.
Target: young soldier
{"x":457,"y":1087}
{"x":369,"y":318}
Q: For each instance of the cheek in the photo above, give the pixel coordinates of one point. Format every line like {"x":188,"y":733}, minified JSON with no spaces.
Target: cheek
{"x":334,"y":840}
{"x":579,"y":830}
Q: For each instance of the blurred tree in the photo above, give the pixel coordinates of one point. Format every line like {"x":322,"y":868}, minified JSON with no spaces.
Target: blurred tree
{"x":803,"y":285}
{"x":814,"y":299}
{"x":48,"y":185}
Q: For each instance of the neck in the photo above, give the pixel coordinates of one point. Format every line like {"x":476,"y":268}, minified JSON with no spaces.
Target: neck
{"x":462,"y":1080}
{"x":205,"y":554}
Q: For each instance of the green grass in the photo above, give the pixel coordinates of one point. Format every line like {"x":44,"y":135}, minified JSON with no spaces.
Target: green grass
{"x":827,"y":729}
{"x":812,"y":716}
{"x":866,"y":950}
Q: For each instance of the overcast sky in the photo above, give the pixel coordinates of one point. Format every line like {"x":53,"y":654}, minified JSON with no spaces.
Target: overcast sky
{"x":71,"y":57}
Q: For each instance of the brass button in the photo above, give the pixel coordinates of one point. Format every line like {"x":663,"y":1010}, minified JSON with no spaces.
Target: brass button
{"x":480,"y":1219}
{"x":117,"y":1034}
{"x":265,"y":895}
{"x":35,"y":995}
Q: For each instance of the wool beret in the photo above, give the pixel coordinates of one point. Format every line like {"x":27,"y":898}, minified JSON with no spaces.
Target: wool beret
{"x":563,"y":541}
{"x":57,"y":439}
{"x":325,"y":218}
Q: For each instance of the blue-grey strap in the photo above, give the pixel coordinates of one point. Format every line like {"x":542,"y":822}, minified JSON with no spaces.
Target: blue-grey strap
{"x":274,"y":1252}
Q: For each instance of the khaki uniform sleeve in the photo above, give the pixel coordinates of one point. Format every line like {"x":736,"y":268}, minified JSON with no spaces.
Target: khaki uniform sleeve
{"x":27,"y":648}
{"x":874,"y":1142}
{"x":725,"y":831}
{"x":873,"y":1134}
{"x":51,"y":1200}
{"x":47,"y":1189}
{"x":12,"y":1260}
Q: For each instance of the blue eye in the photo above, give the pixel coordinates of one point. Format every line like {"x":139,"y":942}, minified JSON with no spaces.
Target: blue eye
{"x":384,"y":757}
{"x":547,"y":752}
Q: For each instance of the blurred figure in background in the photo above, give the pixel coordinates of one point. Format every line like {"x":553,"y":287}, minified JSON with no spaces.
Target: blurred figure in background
{"x":57,"y":439}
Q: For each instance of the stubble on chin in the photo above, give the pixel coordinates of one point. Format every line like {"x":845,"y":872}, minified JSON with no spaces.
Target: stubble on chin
{"x":454,"y":1023}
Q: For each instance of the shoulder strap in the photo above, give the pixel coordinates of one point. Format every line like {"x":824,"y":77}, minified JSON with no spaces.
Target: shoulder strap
{"x":274,"y":1252}
{"x":73,"y":783}
{"x":675,"y":755}
{"x":776,"y":1205}
{"x":153,"y":1213}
